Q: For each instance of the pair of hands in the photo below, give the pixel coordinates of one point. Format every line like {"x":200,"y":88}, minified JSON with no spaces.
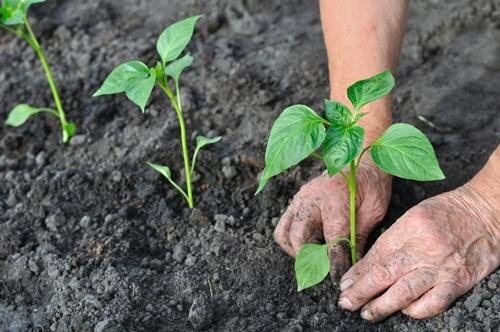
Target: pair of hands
{"x":434,"y":253}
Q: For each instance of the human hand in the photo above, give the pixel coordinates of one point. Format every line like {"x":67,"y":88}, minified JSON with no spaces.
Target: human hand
{"x":433,"y":254}
{"x":320,"y":210}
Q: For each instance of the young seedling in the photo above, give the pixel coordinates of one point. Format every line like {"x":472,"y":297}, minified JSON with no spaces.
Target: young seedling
{"x":13,"y":18}
{"x":402,"y":150}
{"x":137,"y":81}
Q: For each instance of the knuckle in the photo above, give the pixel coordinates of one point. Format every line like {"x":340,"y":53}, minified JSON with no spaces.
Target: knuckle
{"x":381,"y":274}
{"x":405,"y":290}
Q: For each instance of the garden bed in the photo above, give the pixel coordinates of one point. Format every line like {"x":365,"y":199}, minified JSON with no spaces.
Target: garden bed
{"x":91,"y":239}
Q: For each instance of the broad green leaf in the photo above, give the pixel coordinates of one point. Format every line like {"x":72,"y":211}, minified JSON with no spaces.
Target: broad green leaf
{"x":371,"y":89}
{"x":176,"y":68}
{"x":337,"y":113}
{"x":163,"y":170}
{"x":140,"y":91}
{"x":22,"y":112}
{"x":297,"y":133}
{"x":68,"y":131}
{"x":311,"y":265}
{"x":134,"y":78}
{"x":174,"y":39}
{"x":342,"y":144}
{"x":405,"y":151}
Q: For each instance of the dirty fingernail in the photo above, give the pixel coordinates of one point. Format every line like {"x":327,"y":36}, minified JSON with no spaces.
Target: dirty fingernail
{"x":345,"y":303}
{"x":367,"y":314}
{"x":345,"y":283}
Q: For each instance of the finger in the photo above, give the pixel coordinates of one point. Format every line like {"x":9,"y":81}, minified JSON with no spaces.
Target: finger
{"x":282,"y":230}
{"x":381,"y":276}
{"x":400,"y":295}
{"x":380,"y":249}
{"x":306,"y":226}
{"x":435,"y":301}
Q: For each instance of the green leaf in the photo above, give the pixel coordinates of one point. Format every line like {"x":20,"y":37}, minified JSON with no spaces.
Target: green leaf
{"x":342,"y":144}
{"x":176,"y":68}
{"x":405,"y":151}
{"x":337,"y":113}
{"x":68,"y":131}
{"x":202,"y":141}
{"x":22,"y":112}
{"x":371,"y":89}
{"x":297,"y":133}
{"x":163,"y":170}
{"x":13,"y":11}
{"x":311,"y":265}
{"x":134,"y":78}
{"x":174,"y":39}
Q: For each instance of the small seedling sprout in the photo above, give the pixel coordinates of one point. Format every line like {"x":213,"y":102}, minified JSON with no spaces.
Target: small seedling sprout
{"x":299,"y":132}
{"x":137,"y":80}
{"x":13,"y":18}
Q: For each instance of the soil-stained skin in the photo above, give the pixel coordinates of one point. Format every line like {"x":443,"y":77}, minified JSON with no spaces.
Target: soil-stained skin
{"x":92,"y":240}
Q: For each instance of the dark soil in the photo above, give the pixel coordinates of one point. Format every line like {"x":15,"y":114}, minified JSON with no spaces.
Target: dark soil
{"x":93,"y":240}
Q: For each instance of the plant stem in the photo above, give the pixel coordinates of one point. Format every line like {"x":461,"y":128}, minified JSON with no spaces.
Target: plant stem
{"x":31,"y":39}
{"x":352,"y":211}
{"x":185,"y":152}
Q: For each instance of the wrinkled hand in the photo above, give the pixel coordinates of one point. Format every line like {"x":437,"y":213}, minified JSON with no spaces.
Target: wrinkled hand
{"x":320,"y":210}
{"x":433,"y":254}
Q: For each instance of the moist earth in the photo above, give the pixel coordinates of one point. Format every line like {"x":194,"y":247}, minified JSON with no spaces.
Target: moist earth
{"x":91,"y":239}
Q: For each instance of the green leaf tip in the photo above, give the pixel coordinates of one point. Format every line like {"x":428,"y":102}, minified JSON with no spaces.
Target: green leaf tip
{"x":176,"y":68}
{"x":163,"y":170}
{"x":133,"y":78}
{"x":202,"y":141}
{"x":368,"y":90}
{"x":405,"y":151}
{"x":175,"y":38}
{"x":337,"y":113}
{"x":341,"y":146}
{"x":312,"y":265}
{"x":295,"y":134}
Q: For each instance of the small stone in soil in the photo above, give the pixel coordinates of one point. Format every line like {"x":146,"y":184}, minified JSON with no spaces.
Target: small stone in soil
{"x":201,"y":312}
{"x":220,"y":225}
{"x":179,"y":253}
{"x":78,"y":140}
{"x":40,"y":159}
{"x":85,"y":222}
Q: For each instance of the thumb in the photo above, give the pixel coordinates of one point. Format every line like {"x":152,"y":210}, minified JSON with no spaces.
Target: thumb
{"x":335,"y":226}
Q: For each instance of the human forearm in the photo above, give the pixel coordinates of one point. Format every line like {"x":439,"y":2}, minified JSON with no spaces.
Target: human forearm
{"x":486,"y":184}
{"x":363,"y":38}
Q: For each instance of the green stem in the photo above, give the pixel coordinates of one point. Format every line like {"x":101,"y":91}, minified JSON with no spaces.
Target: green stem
{"x":352,"y":211}
{"x":185,"y":153}
{"x":361,"y":156}
{"x":31,"y":39}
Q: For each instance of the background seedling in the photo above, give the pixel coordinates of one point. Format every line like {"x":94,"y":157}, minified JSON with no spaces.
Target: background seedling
{"x":137,"y":81}
{"x":402,"y":150}
{"x":13,"y":18}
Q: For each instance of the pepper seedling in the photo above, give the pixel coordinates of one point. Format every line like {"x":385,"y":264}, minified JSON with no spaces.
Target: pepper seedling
{"x":13,"y":18}
{"x":137,"y":80}
{"x":402,"y":150}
